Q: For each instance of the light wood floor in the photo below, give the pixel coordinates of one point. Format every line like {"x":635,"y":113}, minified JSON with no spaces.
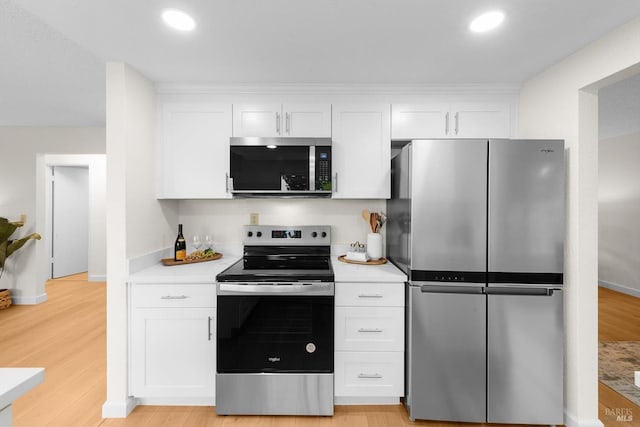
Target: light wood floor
{"x":66,"y":336}
{"x":618,"y":320}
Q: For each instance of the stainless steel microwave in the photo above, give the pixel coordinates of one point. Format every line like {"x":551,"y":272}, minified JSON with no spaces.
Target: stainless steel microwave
{"x":286,"y":167}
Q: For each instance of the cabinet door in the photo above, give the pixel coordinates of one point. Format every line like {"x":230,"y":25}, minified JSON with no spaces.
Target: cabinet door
{"x":480,"y":120}
{"x":194,"y":151}
{"x":173,"y":352}
{"x":361,"y":151}
{"x":257,"y":120}
{"x":415,"y":121}
{"x":307,"y":120}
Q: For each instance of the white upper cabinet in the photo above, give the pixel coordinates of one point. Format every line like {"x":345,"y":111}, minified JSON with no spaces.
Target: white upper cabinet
{"x":451,"y":120}
{"x":282,"y":120}
{"x":411,"y":121}
{"x":481,"y":120}
{"x":361,"y":151}
{"x":307,"y":120}
{"x":194,"y":151}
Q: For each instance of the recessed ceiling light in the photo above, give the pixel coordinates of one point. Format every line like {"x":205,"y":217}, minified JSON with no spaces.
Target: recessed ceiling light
{"x":487,"y":21}
{"x":271,"y":146}
{"x":178,"y":20}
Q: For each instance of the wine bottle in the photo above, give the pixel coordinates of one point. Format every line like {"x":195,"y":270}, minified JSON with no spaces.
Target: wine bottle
{"x":180,"y":248}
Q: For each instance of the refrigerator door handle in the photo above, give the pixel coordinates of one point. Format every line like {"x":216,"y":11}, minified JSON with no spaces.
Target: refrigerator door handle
{"x":519,"y":291}
{"x":435,"y":289}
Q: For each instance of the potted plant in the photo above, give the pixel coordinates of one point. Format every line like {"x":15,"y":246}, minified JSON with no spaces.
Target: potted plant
{"x":7,"y":247}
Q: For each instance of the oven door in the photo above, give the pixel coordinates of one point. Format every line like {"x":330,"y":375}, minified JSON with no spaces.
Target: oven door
{"x":275,"y":333}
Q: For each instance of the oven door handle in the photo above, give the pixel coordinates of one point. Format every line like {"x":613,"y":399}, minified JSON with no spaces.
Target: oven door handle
{"x":319,"y":288}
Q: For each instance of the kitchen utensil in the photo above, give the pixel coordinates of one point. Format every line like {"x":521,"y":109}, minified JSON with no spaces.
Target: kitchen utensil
{"x":366,"y":215}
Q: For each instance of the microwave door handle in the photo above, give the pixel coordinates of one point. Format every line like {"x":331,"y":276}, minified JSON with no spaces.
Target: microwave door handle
{"x":312,"y":167}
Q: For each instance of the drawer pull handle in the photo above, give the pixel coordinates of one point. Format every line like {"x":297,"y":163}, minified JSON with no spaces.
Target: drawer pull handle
{"x":369,"y":375}
{"x":369,"y":330}
{"x":174,"y":297}
{"x":370,"y":296}
{"x":209,"y":328}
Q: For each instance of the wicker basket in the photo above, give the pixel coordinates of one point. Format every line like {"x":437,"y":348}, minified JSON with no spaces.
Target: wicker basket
{"x":5,"y":298}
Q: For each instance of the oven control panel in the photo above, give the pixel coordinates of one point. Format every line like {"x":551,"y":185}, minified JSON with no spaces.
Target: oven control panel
{"x":280,"y":235}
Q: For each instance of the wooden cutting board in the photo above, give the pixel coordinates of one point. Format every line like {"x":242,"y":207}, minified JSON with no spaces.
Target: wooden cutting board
{"x":370,"y":262}
{"x":171,"y":261}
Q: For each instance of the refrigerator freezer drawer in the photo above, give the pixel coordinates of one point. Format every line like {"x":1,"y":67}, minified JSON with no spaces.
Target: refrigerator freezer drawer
{"x":525,"y":358}
{"x":446,"y":360}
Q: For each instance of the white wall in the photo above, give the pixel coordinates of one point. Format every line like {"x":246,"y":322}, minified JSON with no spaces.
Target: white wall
{"x":224,"y":218}
{"x":561,"y":102}
{"x":137,"y":223}
{"x":619,"y":213}
{"x":18,"y":194}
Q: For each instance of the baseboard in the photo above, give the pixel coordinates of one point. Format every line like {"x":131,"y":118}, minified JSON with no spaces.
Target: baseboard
{"x":571,"y":421}
{"x":366,"y":400}
{"x":31,"y":300}
{"x":118,"y":409}
{"x":97,"y":278}
{"x":620,"y":288}
{"x":177,"y":401}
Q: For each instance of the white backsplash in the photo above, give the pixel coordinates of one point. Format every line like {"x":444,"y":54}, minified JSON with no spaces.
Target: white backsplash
{"x":224,"y":218}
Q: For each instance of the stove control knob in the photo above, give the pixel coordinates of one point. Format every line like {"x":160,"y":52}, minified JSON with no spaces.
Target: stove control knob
{"x":250,"y":234}
{"x":259,"y":234}
{"x":324,"y":234}
{"x":314,"y":234}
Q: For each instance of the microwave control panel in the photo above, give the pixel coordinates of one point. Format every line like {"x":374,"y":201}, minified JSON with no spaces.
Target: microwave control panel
{"x":323,"y":168}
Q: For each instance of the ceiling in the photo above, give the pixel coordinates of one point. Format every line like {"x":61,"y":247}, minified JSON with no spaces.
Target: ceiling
{"x":53,"y":52}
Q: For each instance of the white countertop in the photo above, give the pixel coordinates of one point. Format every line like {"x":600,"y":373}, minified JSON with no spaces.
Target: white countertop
{"x":385,"y":273}
{"x":205,"y":272}
{"x":14,"y":382}
{"x":200,"y":272}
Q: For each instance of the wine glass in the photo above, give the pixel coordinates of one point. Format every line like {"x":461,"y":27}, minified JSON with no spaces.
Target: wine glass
{"x":208,"y":242}
{"x":196,"y":242}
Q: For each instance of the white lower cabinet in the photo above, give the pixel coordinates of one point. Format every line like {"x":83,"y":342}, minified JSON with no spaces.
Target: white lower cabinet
{"x":369,"y":373}
{"x":369,"y":328}
{"x":369,"y":342}
{"x":173,"y":347}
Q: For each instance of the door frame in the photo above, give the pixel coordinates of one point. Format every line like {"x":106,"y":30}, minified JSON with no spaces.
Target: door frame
{"x":96,"y":163}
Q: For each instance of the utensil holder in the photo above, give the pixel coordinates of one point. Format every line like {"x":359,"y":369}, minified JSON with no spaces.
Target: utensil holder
{"x":374,"y":245}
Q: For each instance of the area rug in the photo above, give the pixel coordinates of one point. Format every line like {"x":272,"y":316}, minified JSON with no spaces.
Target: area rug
{"x":617,"y":362}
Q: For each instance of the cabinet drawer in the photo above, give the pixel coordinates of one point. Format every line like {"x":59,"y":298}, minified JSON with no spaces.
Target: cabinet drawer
{"x":370,"y":294}
{"x":369,"y":329}
{"x":173,"y":295}
{"x":369,"y":374}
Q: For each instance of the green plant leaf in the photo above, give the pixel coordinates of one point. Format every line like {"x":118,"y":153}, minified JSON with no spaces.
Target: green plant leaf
{"x":14,"y":245}
{"x":6,"y":229}
{"x":3,"y":253}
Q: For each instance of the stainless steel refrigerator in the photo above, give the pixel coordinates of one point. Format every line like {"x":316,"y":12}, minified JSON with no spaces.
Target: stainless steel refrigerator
{"x":478,"y":226}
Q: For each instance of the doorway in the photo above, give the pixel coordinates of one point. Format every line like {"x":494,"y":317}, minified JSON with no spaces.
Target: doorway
{"x":618,"y":250}
{"x":69,"y":220}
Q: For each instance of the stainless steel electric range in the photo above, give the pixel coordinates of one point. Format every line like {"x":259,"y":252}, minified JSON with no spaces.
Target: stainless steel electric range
{"x":275,"y":316}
